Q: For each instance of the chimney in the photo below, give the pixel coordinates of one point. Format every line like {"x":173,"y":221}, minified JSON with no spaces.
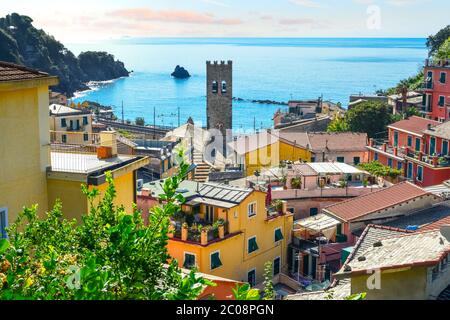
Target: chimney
{"x":445,"y":232}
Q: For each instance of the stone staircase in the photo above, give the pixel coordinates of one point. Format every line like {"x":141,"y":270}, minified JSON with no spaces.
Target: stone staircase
{"x":203,"y":169}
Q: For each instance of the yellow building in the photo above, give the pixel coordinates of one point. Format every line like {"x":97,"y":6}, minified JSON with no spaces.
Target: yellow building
{"x":268,"y":148}
{"x":65,"y":120}
{"x":25,"y":139}
{"x":85,"y":165}
{"x":37,"y":170}
{"x":392,"y":264}
{"x":226,"y":231}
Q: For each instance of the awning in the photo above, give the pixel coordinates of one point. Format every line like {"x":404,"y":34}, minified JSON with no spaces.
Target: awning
{"x":318,"y":223}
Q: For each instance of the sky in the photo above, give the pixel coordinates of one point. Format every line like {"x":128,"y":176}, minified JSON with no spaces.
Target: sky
{"x":88,"y":20}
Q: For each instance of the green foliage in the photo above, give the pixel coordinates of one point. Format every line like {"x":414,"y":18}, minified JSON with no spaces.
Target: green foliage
{"x":357,"y":296}
{"x":435,"y":42}
{"x":269,"y":292}
{"x":296,"y":183}
{"x":246,"y":293}
{"x":412,"y":83}
{"x":140,"y":121}
{"x":443,"y":51}
{"x":361,"y":119}
{"x":377,"y":169}
{"x":110,"y":255}
{"x":338,"y":125}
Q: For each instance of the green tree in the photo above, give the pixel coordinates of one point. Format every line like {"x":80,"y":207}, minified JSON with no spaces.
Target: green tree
{"x":246,"y":292}
{"x":140,"y":121}
{"x":109,"y":255}
{"x":338,"y":125}
{"x":377,"y":169}
{"x":434,"y":42}
{"x":443,"y":52}
{"x":370,"y":117}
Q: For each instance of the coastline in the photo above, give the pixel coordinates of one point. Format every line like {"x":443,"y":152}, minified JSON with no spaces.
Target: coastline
{"x":95,"y":86}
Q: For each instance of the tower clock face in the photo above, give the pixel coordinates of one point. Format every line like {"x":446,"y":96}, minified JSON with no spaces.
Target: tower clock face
{"x":219,"y":125}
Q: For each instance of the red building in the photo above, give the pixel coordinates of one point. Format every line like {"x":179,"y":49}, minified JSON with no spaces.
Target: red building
{"x":419,"y":147}
{"x":436,"y":99}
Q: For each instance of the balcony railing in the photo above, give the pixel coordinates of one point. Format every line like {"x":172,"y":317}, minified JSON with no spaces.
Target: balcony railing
{"x":201,"y":232}
{"x":443,"y":63}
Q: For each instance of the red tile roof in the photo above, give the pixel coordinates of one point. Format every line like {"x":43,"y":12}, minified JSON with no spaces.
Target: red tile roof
{"x":436,"y":225}
{"x":372,"y":202}
{"x":14,"y":72}
{"x":342,"y":141}
{"x":414,"y":124}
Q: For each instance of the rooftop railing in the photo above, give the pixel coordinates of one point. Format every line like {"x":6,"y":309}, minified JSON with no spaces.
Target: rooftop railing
{"x":443,"y":63}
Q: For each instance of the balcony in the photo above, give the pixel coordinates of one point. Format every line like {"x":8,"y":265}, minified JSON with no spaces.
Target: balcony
{"x":437,"y":161}
{"x":200,"y":232}
{"x":75,"y":128}
{"x":379,"y":145}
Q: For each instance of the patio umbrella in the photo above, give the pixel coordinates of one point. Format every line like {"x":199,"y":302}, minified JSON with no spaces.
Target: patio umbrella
{"x":269,"y":196}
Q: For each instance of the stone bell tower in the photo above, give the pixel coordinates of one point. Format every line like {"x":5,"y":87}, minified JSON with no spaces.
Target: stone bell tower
{"x":219,"y":97}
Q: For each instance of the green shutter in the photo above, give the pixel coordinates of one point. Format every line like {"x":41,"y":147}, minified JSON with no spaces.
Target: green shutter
{"x":215,"y":261}
{"x":278,"y":235}
{"x":252,"y":245}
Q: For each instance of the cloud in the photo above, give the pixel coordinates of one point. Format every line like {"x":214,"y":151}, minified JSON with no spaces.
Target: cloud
{"x":171,"y":16}
{"x":306,"y":3}
{"x":298,"y":21}
{"x":216,"y":3}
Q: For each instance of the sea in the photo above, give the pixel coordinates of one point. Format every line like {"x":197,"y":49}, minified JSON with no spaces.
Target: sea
{"x":277,"y":69}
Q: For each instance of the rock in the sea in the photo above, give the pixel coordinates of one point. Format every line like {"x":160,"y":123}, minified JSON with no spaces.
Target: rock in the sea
{"x":180,"y":73}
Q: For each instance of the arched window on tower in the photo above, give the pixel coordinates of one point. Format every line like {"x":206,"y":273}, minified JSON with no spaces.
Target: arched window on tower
{"x":224,"y":87}
{"x":215,"y":87}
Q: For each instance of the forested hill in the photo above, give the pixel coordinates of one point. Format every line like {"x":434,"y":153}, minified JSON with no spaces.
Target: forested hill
{"x":22,"y":43}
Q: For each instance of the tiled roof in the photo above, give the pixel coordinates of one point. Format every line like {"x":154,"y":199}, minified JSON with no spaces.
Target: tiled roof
{"x":372,"y":202}
{"x":442,"y":131}
{"x":371,"y":235}
{"x":14,"y":72}
{"x":415,"y":249}
{"x":414,"y":124}
{"x":340,"y":291}
{"x":428,"y":219}
{"x":342,"y":141}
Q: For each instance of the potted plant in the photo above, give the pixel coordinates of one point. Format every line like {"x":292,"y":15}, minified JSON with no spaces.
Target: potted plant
{"x":296,"y":183}
{"x":365,"y":183}
{"x":278,"y":206}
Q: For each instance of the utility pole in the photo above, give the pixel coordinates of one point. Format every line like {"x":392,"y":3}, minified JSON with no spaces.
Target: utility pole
{"x":154,"y":123}
{"x":123,"y":117}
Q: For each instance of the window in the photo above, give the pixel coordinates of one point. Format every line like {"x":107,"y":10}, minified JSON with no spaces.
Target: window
{"x":417,"y":144}
{"x":339,"y":229}
{"x":64,"y":138}
{"x":215,"y":260}
{"x":410,"y":141}
{"x":313,"y":159}
{"x":390,"y":162}
{"x":441,"y":101}
{"x":410,"y":170}
{"x":189,"y":260}
{"x":443,"y":77}
{"x":445,"y":147}
{"x":313,"y":212}
{"x":252,"y":245}
{"x":276,"y":266}
{"x":85,"y":121}
{"x":356,"y":160}
{"x":252,"y":209}
{"x":215,"y":87}
{"x":395,"y":138}
{"x":432,"y":146}
{"x":278,"y":235}
{"x":429,"y":81}
{"x":341,"y":159}
{"x":86,"y":137}
{"x":3,"y":222}
{"x":251,"y":277}
{"x":63,"y":123}
{"x":224,"y":87}
{"x":375,"y":156}
{"x":399,"y":165}
{"x":420,"y":173}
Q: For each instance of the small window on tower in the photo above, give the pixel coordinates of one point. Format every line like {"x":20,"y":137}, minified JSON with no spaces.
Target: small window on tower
{"x":224,"y":87}
{"x":215,"y":87}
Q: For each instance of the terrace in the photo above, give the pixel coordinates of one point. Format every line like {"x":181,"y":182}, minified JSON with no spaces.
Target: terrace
{"x":444,"y":63}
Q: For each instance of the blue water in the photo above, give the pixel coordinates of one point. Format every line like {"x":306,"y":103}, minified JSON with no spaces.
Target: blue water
{"x":275,"y":69}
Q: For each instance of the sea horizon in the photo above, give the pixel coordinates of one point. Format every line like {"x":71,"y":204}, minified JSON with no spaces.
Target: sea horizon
{"x":293,"y":68}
